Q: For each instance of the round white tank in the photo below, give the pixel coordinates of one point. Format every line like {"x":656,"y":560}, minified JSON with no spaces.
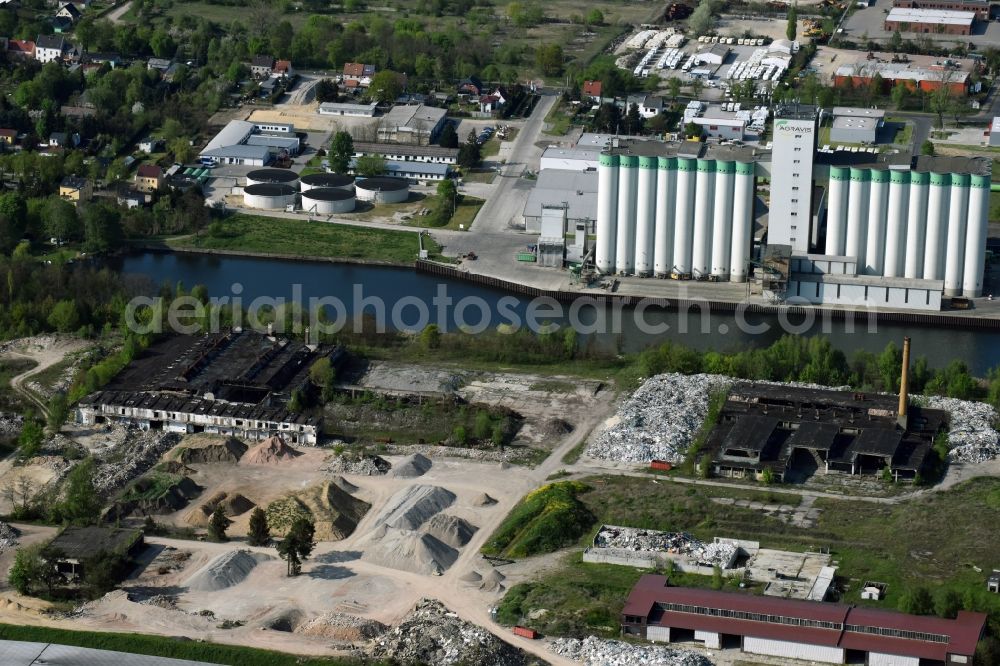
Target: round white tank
{"x":684,"y":222}
{"x":382,"y":190}
{"x":975,"y":237}
{"x":607,"y":213}
{"x":836,"y":211}
{"x":955,"y":234}
{"x":895,"y":232}
{"x":743,"y":200}
{"x":701,"y":247}
{"x":937,"y":221}
{"x":328,"y":200}
{"x":722,"y":218}
{"x":878,"y":212}
{"x":645,"y":216}
{"x":916,"y":225}
{"x":267,"y":196}
{"x":857,"y":214}
{"x":666,"y":202}
{"x":336,"y":180}
{"x":628,"y":181}
{"x":273,"y":177}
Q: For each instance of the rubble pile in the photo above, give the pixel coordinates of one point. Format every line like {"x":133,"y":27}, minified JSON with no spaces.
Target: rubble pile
{"x":365,"y":465}
{"x":10,"y":424}
{"x":593,"y":651}
{"x":136,"y":453}
{"x":675,"y":543}
{"x":972,"y":437}
{"x":659,"y":420}
{"x":342,"y":626}
{"x":432,"y":634}
{"x":8,"y":537}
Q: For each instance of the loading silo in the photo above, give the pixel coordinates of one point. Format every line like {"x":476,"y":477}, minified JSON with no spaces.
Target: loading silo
{"x":722,"y":218}
{"x":937,"y":221}
{"x":878,"y":210}
{"x":701,"y":246}
{"x":895,"y":232}
{"x":666,"y":204}
{"x":628,"y":180}
{"x":916,"y":225}
{"x":607,"y":213}
{"x":743,"y":200}
{"x":836,"y":210}
{"x":958,"y":208}
{"x":684,"y":222}
{"x":645,"y":214}
{"x":857,"y":215}
{"x":975,"y":236}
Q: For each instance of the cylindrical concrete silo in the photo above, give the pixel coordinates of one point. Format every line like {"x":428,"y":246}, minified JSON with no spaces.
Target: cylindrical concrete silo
{"x":666,"y":205}
{"x":701,"y":247}
{"x":975,"y":236}
{"x":916,"y":225}
{"x":743,"y":200}
{"x":836,"y":211}
{"x":722,"y":218}
{"x":955,"y":234}
{"x":684,"y":222}
{"x":857,"y":216}
{"x":895,"y":232}
{"x":937,"y":221}
{"x":645,"y":216}
{"x":878,"y":208}
{"x":628,"y":180}
{"x":607,"y":213}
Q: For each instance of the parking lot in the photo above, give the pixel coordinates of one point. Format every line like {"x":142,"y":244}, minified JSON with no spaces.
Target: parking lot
{"x":870,"y":22}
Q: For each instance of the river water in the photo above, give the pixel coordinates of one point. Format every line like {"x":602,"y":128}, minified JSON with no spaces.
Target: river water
{"x":410,"y":300}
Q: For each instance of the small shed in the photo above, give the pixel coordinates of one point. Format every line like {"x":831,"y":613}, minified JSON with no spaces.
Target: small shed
{"x":75,"y":545}
{"x":993,"y":582}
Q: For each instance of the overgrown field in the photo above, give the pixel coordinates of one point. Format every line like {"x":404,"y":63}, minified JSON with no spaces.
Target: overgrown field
{"x":546,"y":520}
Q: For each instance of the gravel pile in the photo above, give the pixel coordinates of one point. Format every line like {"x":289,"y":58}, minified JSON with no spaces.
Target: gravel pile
{"x":675,"y":543}
{"x":137,"y":452}
{"x":659,"y":420}
{"x":363,"y":465}
{"x":342,"y":626}
{"x":8,"y":537}
{"x":972,"y":437}
{"x":226,"y":570}
{"x":431,"y":634}
{"x":596,"y":652}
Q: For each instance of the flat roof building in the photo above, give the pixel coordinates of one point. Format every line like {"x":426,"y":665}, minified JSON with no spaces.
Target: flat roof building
{"x":570,"y":159}
{"x":930,"y":21}
{"x":852,"y":125}
{"x":412,"y":124}
{"x":916,"y":77}
{"x":994,"y":138}
{"x":790,"y":628}
{"x":407,"y":153}
{"x":981,"y":8}
{"x":576,"y":189}
{"x":347,"y":109}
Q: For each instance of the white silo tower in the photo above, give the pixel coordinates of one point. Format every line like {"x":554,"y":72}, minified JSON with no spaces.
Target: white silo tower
{"x":607,"y":213}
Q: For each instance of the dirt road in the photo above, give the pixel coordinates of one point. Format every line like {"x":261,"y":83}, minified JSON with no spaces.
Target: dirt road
{"x":46,"y":352}
{"x":115,"y":15}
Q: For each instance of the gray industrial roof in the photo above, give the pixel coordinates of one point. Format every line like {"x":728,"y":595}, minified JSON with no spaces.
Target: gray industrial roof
{"x":24,"y":653}
{"x":855,"y":112}
{"x":942,"y":164}
{"x":403,"y":149}
{"x":577,"y":189}
{"x":855,"y":123}
{"x":273,"y":141}
{"x":411,"y":116}
{"x":237,"y":151}
{"x":234,"y":133}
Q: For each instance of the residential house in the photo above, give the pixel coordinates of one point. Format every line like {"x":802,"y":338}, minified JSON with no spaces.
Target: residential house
{"x":592,"y":90}
{"x":471,"y":86}
{"x":150,"y":144}
{"x":283,"y":69}
{"x":359,"y":72}
{"x":49,"y":48}
{"x":993,"y":583}
{"x":130,"y":198}
{"x":261,"y":66}
{"x":494,"y":101}
{"x":148,"y":178}
{"x":8,"y":136}
{"x":59,"y":139}
{"x":648,"y":105}
{"x":20,"y":48}
{"x":159,"y":64}
{"x":75,"y":189}
{"x":110,"y":59}
{"x":70,"y":12}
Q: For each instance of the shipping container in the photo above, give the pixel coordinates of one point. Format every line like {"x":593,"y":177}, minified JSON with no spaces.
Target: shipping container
{"x":526,"y":632}
{"x":661,"y":465}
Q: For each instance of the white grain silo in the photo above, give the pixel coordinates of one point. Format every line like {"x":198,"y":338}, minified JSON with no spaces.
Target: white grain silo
{"x":857,"y":216}
{"x":975,"y":236}
{"x":645,"y":216}
{"x":628,"y":180}
{"x":895,"y":232}
{"x":722,"y":219}
{"x":743,"y":200}
{"x":878,"y":198}
{"x":607,"y":213}
{"x":666,"y":203}
{"x":937,"y":220}
{"x":701,"y":246}
{"x":955,"y":239}
{"x":916,"y":225}
{"x":836,"y":211}
{"x":684,"y":222}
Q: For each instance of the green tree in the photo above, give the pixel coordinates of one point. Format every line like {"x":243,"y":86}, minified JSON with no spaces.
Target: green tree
{"x":470,"y":154}
{"x":947,"y":603}
{"x":218,"y":524}
{"x":297,"y":545}
{"x":701,"y":21}
{"x":102,"y":229}
{"x":927,"y":147}
{"x":549,"y":59}
{"x":30,"y":440}
{"x":385,"y":86}
{"x":32,"y":571}
{"x":483,"y":425}
{"x":369,"y":166}
{"x":58,"y":410}
{"x":323,"y":375}
{"x":716,"y":577}
{"x":449,"y":137}
{"x":82,"y":504}
{"x":791,"y":29}
{"x":896,"y":41}
{"x":260,"y":533}
{"x":430,"y":338}
{"x":64,"y":316}
{"x":341,"y":152}
{"x":900,"y":92}
{"x":59,"y":219}
{"x":594,"y":17}
{"x":917,"y":601}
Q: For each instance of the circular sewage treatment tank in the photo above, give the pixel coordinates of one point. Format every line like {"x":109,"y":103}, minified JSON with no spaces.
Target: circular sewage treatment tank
{"x":327,"y":180}
{"x":273,"y":177}
{"x":327,"y":200}
{"x":268,"y":196}
{"x":383,"y":189}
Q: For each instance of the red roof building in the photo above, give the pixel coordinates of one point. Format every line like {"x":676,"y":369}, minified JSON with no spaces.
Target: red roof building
{"x":21,"y":48}
{"x":592,"y":89}
{"x":811,"y":630}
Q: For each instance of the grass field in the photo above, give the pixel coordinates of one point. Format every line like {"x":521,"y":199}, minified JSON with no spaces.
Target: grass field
{"x":10,"y":368}
{"x":465,"y":213}
{"x":162,"y":646}
{"x":994,"y":206}
{"x":274,"y":235}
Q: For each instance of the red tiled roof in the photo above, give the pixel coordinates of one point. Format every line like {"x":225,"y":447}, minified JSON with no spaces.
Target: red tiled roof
{"x":8,"y":132}
{"x":354,"y":69}
{"x":778,"y":632}
{"x":21,"y":46}
{"x":148,"y":171}
{"x":283,"y":66}
{"x":592,"y":88}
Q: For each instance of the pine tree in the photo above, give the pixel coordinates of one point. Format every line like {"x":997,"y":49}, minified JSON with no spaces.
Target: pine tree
{"x":297,"y":545}
{"x":218,"y":524}
{"x":260,"y":534}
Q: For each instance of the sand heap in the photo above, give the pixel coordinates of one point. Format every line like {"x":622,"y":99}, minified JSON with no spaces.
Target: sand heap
{"x":342,"y":627}
{"x":412,"y":466}
{"x":334,"y":512}
{"x":411,"y":535}
{"x":269,"y":452}
{"x":226,"y":570}
{"x":472,"y":578}
{"x":204,"y":448}
{"x":344,"y":484}
{"x":232,"y":504}
{"x":484,"y":500}
{"x":492,"y":581}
